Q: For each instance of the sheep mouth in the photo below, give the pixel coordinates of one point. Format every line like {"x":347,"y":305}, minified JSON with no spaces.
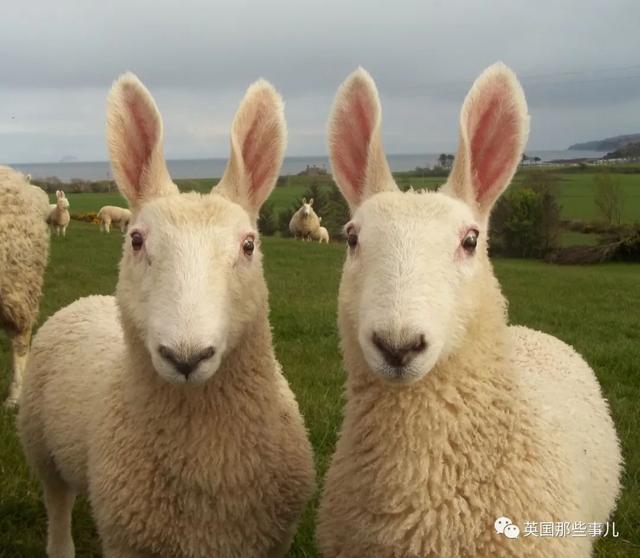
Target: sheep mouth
{"x":401,"y":375}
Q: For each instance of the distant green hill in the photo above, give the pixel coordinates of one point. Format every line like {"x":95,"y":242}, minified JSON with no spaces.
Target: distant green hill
{"x":607,"y":144}
{"x":629,"y":151}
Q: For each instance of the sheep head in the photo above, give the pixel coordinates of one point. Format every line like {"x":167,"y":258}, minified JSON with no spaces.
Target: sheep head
{"x":416,"y":261}
{"x":191,"y":277}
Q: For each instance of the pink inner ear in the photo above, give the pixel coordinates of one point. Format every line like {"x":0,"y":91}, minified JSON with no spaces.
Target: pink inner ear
{"x":352,"y":136}
{"x":140,"y":138}
{"x":260,"y":149}
{"x":493,"y":145}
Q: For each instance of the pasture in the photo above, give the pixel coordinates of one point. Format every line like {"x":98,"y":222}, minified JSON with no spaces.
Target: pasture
{"x":595,"y":309}
{"x":575,"y":192}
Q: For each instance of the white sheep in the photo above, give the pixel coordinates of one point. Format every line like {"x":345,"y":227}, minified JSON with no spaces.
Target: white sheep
{"x":166,"y":404}
{"x":112,"y":214}
{"x":305,"y":222}
{"x":24,"y":251}
{"x":453,"y":419}
{"x":321,"y":234}
{"x":59,"y":214}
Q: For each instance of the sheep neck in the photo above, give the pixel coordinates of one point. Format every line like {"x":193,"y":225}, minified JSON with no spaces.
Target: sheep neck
{"x":448,"y":408}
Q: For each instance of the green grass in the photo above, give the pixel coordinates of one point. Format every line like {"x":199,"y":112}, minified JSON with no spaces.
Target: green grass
{"x":576,"y":196}
{"x":575,"y":192}
{"x":593,"y":308}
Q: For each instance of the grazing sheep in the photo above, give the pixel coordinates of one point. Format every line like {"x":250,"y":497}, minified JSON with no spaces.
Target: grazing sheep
{"x":116,"y":215}
{"x":453,"y":418}
{"x":321,"y":234}
{"x":304,"y":222}
{"x":166,"y":404}
{"x":24,"y":251}
{"x":59,"y":214}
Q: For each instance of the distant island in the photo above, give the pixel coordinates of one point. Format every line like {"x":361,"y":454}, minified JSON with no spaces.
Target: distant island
{"x":69,"y":159}
{"x":607,"y":144}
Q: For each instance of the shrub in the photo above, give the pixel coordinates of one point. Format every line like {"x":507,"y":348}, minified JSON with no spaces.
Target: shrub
{"x":267,"y":223}
{"x":526,"y":220}
{"x":336,"y":213}
{"x":91,"y":217}
{"x":284,"y":216}
{"x":516,"y":223}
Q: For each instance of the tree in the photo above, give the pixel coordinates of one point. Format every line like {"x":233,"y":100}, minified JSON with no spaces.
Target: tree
{"x":442,"y":160}
{"x":609,"y":196}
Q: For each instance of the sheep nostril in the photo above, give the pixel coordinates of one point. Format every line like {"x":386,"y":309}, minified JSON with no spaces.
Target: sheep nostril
{"x":420,"y":345}
{"x":205,"y":354}
{"x":167,"y":354}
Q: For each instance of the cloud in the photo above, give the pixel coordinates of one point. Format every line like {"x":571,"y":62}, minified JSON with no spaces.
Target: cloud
{"x":576,"y":60}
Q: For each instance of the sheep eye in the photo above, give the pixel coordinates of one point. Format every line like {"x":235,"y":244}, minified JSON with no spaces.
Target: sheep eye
{"x":248,"y":246}
{"x":137,"y":240}
{"x":352,"y":239}
{"x":470,"y":241}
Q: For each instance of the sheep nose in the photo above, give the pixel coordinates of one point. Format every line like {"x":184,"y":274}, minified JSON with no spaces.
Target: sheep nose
{"x":186,"y":361}
{"x":399,"y":355}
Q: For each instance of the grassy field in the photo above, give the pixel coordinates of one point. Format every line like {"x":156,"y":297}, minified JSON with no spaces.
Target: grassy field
{"x":595,"y":309}
{"x":575,"y":193}
{"x":577,"y":197}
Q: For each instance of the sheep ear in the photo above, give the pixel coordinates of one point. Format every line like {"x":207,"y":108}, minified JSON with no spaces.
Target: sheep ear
{"x":494,"y":126}
{"x":134,"y":137}
{"x":304,"y":200}
{"x":359,"y":164}
{"x":311,"y":201}
{"x":258,"y":143}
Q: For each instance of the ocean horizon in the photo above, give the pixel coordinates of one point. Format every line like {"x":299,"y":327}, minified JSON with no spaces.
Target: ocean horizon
{"x":214,"y":167}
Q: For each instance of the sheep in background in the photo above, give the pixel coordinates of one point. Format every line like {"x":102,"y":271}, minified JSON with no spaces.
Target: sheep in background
{"x":453,"y":419}
{"x":117,"y":215}
{"x":321,"y":234}
{"x":24,"y":251}
{"x":166,"y":403}
{"x":304,"y":222}
{"x":59,"y":214}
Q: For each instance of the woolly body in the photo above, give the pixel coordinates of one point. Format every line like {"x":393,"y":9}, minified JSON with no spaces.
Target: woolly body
{"x":24,"y":252}
{"x":453,"y":419}
{"x":110,"y":214}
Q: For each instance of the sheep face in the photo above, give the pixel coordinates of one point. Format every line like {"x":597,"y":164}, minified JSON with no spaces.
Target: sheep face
{"x":306,"y":209}
{"x":190,"y":282}
{"x":408,"y":280}
{"x":191,"y":274}
{"x":417,"y":262}
{"x":62,"y":202}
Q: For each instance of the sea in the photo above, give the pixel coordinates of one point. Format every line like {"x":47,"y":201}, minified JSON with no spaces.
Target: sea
{"x":214,"y":168}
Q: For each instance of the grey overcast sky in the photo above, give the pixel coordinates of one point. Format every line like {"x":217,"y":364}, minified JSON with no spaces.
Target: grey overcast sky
{"x":577,"y":59}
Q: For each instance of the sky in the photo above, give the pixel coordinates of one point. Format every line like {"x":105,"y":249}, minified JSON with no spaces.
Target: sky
{"x":577,"y":61}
